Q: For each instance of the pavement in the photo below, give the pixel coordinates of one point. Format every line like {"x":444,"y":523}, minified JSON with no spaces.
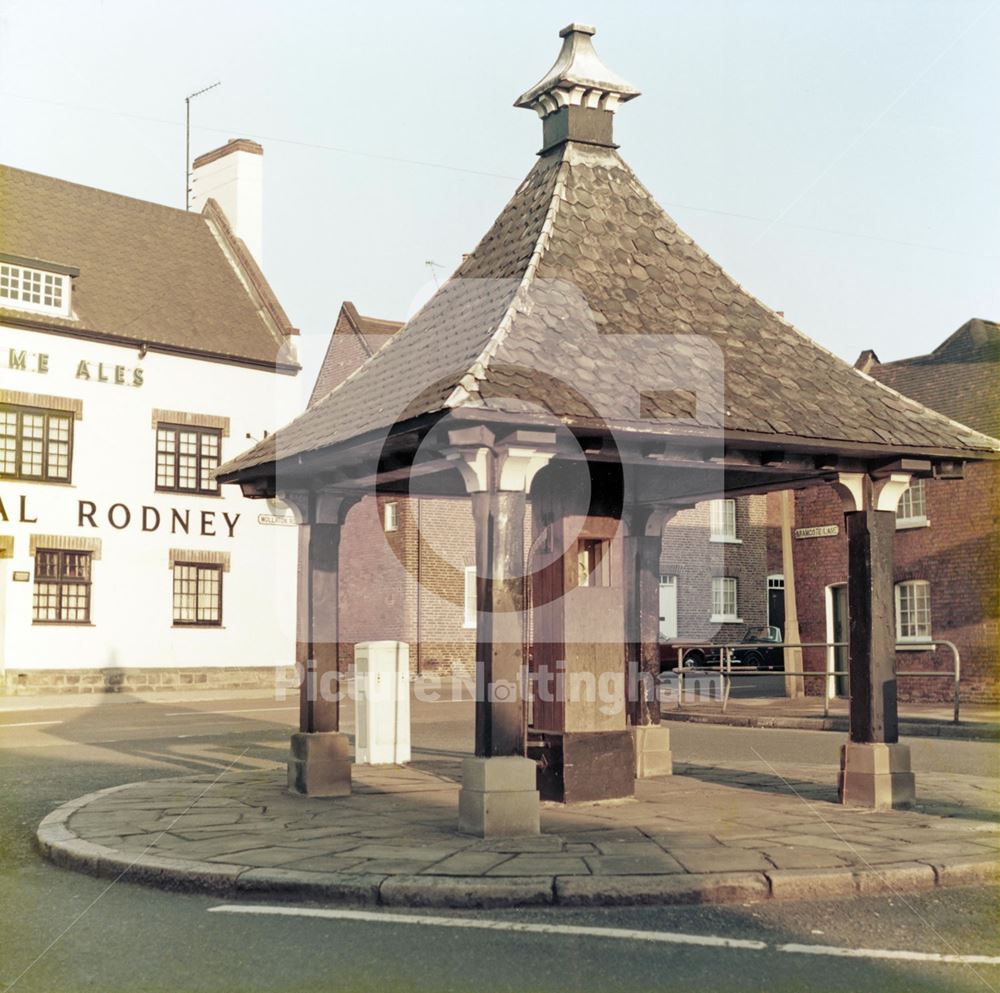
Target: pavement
{"x":978,"y":722}
{"x":732,"y":832}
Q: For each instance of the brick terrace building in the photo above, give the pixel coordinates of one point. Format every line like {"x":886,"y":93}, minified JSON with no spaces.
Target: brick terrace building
{"x":947,"y":546}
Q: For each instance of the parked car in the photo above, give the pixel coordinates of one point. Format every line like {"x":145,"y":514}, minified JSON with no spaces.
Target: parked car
{"x":769,"y":655}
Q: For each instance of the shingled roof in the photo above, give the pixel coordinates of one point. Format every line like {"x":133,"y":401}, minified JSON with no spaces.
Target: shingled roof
{"x":586,"y":304}
{"x":960,"y":378}
{"x":148,"y":274}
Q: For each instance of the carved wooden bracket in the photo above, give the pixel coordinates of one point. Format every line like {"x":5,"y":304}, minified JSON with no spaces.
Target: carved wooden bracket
{"x":509,"y":465}
{"x":859,"y":492}
{"x":647,"y":520}
{"x":325,"y":507}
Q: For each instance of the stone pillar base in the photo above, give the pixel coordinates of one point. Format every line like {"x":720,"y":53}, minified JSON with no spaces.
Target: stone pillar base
{"x":876,"y":775}
{"x":652,"y":751}
{"x":319,"y":764}
{"x":498,"y":798}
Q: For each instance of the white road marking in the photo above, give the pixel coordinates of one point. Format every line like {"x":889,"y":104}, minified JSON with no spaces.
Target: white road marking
{"x":888,"y":953}
{"x":667,"y":937}
{"x":29,"y":724}
{"x":620,"y":934}
{"x":250,"y":710}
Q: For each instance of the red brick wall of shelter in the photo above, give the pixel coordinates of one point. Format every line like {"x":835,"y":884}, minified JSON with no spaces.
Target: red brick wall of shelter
{"x":958,"y":554}
{"x":376,"y":583}
{"x":392,"y":589}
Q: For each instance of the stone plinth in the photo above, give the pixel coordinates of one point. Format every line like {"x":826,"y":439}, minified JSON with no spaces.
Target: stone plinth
{"x":876,"y":775}
{"x":498,"y":797}
{"x":652,"y":751}
{"x":319,"y":764}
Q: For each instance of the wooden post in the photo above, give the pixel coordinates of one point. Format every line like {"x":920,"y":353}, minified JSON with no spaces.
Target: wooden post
{"x":319,"y":763}
{"x":875,"y":768}
{"x":499,"y":795}
{"x":499,"y":521}
{"x":323,"y":712}
{"x":871,"y":622}
{"x":643,"y":543}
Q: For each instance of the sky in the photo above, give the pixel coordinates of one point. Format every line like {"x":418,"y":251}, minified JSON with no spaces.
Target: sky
{"x":838,"y":160}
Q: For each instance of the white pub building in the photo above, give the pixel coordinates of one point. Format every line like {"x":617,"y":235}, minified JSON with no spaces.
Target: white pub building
{"x":140,"y":347}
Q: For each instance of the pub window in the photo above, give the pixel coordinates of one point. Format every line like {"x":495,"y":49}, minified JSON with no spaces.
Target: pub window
{"x":722,"y":520}
{"x":197,"y":594}
{"x":35,"y":444}
{"x":187,"y":457}
{"x":724,"y":599}
{"x":390,"y":516}
{"x":912,"y":509}
{"x":62,"y":587}
{"x":593,"y":562}
{"x":33,"y":289}
{"x":469,"y":600}
{"x":913,"y":610}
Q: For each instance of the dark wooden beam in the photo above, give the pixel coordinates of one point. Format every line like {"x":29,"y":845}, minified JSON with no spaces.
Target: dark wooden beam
{"x":871,"y":620}
{"x":499,"y":521}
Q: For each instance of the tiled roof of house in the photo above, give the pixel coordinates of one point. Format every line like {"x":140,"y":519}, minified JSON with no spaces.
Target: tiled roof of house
{"x":960,"y":378}
{"x":355,"y":339}
{"x":147,"y":273}
{"x":586,"y":303}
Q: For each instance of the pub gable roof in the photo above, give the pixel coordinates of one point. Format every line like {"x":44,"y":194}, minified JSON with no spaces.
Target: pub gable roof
{"x":149,"y":275}
{"x":583,"y":288}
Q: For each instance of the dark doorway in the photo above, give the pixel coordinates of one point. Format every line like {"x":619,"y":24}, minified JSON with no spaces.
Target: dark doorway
{"x":776,"y":603}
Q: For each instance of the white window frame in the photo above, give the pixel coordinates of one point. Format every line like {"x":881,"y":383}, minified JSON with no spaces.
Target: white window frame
{"x":908,"y":515}
{"x":722,"y":521}
{"x":469,"y":598}
{"x":720,"y":584}
{"x":918,"y":587}
{"x":390,"y":516}
{"x":20,"y":285}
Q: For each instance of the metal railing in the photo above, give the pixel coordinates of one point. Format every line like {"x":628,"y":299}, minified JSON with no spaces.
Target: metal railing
{"x":726,"y":671}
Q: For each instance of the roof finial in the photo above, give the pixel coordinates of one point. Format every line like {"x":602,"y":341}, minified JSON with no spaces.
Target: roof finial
{"x":579,"y":79}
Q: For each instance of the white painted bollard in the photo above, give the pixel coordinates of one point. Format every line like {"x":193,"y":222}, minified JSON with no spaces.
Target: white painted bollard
{"x":382,"y":702}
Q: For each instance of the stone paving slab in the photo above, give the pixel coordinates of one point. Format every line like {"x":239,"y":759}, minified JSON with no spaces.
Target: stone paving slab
{"x":738,"y":833}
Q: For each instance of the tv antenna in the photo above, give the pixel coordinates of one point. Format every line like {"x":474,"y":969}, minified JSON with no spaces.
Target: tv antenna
{"x":432,"y":265}
{"x":187,"y":141}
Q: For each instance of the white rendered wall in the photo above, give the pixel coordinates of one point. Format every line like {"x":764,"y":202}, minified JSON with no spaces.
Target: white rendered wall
{"x":114,"y":457}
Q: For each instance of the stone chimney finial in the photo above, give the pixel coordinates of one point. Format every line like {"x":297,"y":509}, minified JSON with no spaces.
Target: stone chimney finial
{"x":578,"y":95}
